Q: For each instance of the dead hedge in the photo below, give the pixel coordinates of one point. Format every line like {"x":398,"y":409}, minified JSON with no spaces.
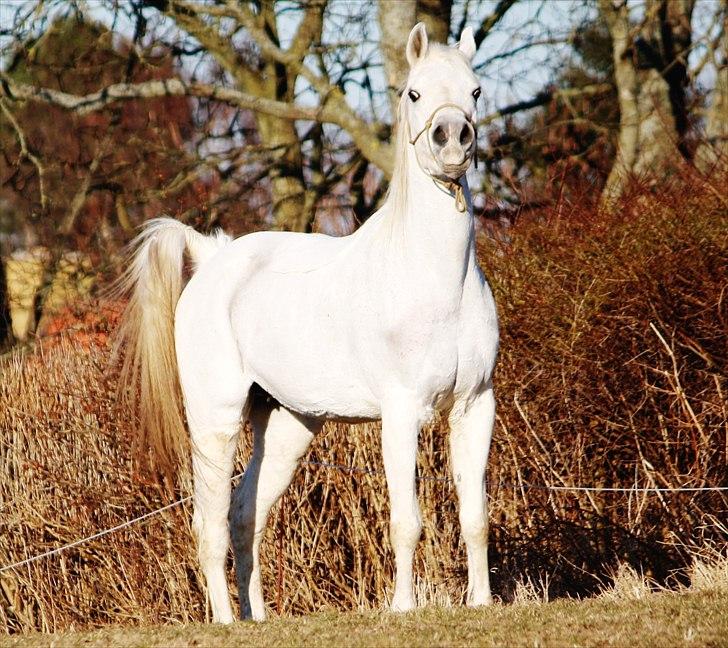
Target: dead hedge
{"x":612,"y":373}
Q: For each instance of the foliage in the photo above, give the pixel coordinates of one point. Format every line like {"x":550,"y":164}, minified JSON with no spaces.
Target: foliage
{"x":612,"y":373}
{"x":568,"y":145}
{"x":107,"y":171}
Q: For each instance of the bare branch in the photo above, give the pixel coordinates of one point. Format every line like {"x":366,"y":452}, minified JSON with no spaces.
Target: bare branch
{"x":25,"y":153}
{"x":332,"y":97}
{"x":85,"y":104}
{"x":492,"y":20}
{"x":69,"y":220}
{"x":309,"y":30}
{"x":544,"y":97}
{"x":521,"y":48}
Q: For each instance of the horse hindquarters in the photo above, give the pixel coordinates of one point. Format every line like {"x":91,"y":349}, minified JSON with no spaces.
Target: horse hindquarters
{"x":159,"y":320}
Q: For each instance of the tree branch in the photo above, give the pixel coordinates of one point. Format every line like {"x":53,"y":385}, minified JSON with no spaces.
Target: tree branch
{"x":544,"y":97}
{"x":521,"y":48}
{"x":491,"y":21}
{"x":84,"y":104}
{"x":332,"y":97}
{"x":25,"y":152}
{"x":188,"y":16}
{"x":309,"y":30}
{"x":69,"y":220}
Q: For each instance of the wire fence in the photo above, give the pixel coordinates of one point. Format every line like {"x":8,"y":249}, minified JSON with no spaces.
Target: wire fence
{"x":365,"y":471}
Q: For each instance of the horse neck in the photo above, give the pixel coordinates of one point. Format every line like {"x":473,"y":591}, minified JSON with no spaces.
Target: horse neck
{"x":425,"y":223}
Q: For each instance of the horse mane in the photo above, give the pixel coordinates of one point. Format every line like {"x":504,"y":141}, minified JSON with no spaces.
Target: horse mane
{"x":396,"y":200}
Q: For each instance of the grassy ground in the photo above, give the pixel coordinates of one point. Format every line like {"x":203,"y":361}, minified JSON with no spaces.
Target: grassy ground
{"x":666,"y":619}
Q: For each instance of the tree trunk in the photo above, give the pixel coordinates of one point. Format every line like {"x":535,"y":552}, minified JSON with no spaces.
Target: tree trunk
{"x":650,"y":73}
{"x":396,"y":19}
{"x":5,"y":323}
{"x":676,"y":38}
{"x":436,"y":15}
{"x":287,"y":184}
{"x":713,"y":152}
{"x":658,"y":135}
{"x":625,"y":78}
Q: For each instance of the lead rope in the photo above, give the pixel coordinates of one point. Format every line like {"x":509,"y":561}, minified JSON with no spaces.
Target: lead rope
{"x":456,"y":189}
{"x":451,"y":186}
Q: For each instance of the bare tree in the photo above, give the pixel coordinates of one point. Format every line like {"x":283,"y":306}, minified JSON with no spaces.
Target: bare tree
{"x":292,"y":97}
{"x":395,"y":18}
{"x":308,"y":146}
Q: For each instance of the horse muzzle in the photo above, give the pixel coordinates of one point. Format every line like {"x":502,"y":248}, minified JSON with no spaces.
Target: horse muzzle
{"x":452,"y":142}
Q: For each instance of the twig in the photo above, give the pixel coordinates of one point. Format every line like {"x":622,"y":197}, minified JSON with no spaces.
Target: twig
{"x":25,"y":153}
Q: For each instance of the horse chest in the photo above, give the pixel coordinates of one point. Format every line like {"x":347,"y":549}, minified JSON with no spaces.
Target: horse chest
{"x":440,"y":348}
{"x":449,"y":351}
{"x":477,"y":335}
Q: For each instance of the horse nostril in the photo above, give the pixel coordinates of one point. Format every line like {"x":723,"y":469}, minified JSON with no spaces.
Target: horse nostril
{"x":439,"y":136}
{"x":466,"y":135}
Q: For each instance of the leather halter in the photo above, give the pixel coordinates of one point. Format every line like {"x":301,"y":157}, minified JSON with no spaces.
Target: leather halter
{"x":452,"y":186}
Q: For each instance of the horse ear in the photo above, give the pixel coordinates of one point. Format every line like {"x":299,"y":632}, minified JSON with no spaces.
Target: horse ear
{"x":417,"y":43}
{"x":467,"y":43}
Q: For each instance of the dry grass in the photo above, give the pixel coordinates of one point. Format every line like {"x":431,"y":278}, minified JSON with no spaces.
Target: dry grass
{"x":708,"y":571}
{"x":627,"y":584}
{"x":612,"y":373}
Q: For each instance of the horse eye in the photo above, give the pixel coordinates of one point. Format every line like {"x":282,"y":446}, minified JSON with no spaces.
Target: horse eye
{"x":414,"y":95}
{"x":476,"y":94}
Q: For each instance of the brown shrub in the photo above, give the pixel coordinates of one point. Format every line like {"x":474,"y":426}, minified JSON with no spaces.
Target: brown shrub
{"x":612,"y":374}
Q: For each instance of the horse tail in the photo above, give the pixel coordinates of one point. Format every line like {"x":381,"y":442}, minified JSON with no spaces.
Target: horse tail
{"x":144,"y":342}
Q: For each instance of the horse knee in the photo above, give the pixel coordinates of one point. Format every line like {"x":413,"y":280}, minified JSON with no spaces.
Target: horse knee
{"x":214,"y":437}
{"x":473,"y":527}
{"x":405,"y":530}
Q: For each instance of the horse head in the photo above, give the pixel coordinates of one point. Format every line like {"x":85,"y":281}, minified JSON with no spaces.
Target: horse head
{"x":439,"y":103}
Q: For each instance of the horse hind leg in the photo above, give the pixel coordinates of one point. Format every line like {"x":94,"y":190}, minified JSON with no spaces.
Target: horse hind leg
{"x":214,"y":441}
{"x":280,"y":440}
{"x":215,"y":391}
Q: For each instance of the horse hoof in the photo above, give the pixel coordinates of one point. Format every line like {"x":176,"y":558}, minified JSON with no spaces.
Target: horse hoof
{"x":405,"y":605}
{"x":480,"y":601}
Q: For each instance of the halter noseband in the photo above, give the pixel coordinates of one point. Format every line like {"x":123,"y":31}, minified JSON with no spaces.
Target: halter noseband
{"x":452,"y":186}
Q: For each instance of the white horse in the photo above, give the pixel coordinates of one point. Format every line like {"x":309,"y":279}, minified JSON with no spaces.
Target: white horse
{"x":393,"y":322}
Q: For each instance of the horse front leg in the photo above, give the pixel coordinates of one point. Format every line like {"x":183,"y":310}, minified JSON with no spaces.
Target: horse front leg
{"x":400,"y":430}
{"x":471,"y":429}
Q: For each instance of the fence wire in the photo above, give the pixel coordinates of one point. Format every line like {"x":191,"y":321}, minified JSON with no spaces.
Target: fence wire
{"x":366,"y":471}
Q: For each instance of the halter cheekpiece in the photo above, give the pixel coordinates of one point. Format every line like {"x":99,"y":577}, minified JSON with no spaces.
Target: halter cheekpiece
{"x":452,"y":186}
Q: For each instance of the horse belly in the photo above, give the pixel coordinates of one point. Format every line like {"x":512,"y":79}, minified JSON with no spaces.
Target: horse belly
{"x":298,"y":347}
{"x":314,"y":388}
